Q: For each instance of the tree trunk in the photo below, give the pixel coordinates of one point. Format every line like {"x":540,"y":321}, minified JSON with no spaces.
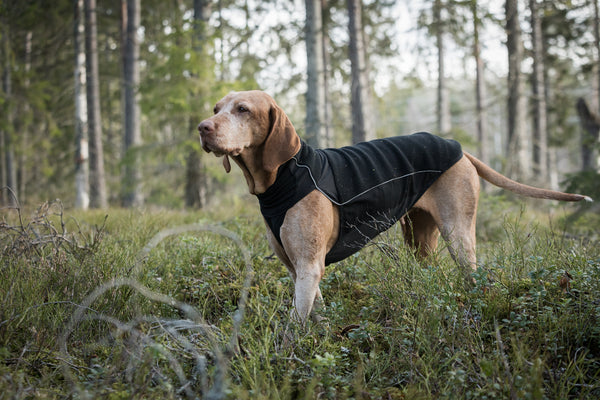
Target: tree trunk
{"x":9,"y":186}
{"x":597,"y":45}
{"x":98,"y":198}
{"x":23,"y":128}
{"x":131,"y":192}
{"x":540,"y":131}
{"x":315,"y":93}
{"x":328,"y":139}
{"x":590,"y":122}
{"x":196,"y":188}
{"x":444,"y":124}
{"x":518,"y":143}
{"x":480,"y":93}
{"x":197,"y":180}
{"x":369,"y":108}
{"x":553,"y":178}
{"x":362,"y":126}
{"x":82,"y":196}
{"x":3,"y":188}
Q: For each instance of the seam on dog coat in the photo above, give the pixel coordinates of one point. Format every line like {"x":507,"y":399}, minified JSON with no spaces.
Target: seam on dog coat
{"x":373,"y":183}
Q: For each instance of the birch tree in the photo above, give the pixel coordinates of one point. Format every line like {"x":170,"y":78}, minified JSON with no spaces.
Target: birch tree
{"x":82,"y":197}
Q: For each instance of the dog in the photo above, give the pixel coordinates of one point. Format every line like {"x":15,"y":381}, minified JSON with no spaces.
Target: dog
{"x":316,"y":214}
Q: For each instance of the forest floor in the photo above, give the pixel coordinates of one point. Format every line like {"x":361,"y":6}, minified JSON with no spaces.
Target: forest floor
{"x":163,"y":304}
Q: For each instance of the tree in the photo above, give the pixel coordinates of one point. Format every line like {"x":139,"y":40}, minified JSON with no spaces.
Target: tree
{"x":565,"y":34}
{"x":328,"y":140}
{"x":196,"y":183}
{"x":98,"y":197}
{"x":444,"y":124}
{"x":24,"y":125}
{"x":596,"y":25}
{"x":590,"y":122}
{"x":480,"y":93}
{"x":540,"y":132}
{"x":315,"y":122}
{"x":131,"y":193}
{"x":9,"y":181}
{"x":362,"y":113}
{"x":443,"y":20}
{"x":518,"y":143}
{"x":82,"y":197}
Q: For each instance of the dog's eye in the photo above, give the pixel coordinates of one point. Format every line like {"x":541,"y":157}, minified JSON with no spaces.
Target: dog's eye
{"x":242,"y":109}
{"x":215,"y":110}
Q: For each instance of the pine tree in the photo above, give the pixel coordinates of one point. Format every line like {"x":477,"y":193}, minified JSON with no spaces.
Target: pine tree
{"x":98,"y":196}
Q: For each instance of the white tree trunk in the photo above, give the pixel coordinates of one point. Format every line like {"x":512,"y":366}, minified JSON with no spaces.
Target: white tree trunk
{"x":82,"y":196}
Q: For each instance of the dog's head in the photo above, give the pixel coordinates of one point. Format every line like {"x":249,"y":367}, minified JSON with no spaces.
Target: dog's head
{"x":252,"y":126}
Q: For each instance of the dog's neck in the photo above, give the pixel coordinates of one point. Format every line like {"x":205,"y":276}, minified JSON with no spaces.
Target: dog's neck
{"x":257,"y":178}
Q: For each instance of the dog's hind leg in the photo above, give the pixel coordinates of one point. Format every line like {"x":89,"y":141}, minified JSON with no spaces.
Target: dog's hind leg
{"x":452,"y":203}
{"x":461,"y":243}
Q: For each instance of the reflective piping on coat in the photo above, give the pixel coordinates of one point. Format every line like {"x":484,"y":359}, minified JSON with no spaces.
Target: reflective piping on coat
{"x":365,"y":191}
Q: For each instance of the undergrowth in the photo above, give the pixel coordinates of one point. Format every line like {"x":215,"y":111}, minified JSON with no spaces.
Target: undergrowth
{"x":124,"y":304}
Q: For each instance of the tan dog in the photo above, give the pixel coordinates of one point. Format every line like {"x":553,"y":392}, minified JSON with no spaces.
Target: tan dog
{"x":252,"y":129}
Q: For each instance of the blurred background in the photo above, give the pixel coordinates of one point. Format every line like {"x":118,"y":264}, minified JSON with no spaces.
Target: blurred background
{"x":100,"y":99}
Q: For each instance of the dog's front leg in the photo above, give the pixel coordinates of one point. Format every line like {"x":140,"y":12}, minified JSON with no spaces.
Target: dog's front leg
{"x":307,"y":234}
{"x":306,"y":289}
{"x":306,"y":276}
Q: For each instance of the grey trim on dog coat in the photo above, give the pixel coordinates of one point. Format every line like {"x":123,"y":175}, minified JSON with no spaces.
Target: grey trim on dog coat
{"x":373,"y":183}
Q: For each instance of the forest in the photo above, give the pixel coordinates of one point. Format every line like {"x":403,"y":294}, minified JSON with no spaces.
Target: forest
{"x":132,"y":266}
{"x":100,"y":103}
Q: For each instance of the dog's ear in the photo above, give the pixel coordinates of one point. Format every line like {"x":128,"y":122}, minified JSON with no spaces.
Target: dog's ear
{"x":282,"y":142}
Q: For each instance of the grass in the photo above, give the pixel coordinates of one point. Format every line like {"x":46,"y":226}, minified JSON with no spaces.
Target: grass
{"x":89,"y":310}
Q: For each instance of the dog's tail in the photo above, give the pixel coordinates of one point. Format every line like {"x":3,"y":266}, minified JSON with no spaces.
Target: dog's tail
{"x":496,"y":178}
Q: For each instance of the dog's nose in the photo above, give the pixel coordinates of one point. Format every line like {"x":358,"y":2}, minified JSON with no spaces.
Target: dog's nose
{"x":206,"y":127}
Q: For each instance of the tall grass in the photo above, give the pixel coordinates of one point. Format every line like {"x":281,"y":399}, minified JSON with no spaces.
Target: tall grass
{"x":97,"y":305}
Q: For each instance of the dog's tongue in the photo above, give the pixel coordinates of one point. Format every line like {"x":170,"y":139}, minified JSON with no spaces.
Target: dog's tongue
{"x":226,"y":163}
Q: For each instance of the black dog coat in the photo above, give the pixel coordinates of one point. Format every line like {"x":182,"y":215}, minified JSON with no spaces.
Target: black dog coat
{"x":373,"y":183}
